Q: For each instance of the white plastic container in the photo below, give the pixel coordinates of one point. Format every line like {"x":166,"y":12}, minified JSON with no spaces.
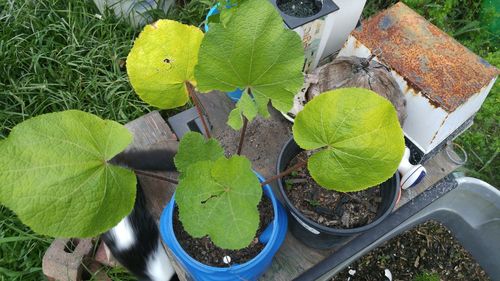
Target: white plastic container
{"x":135,"y":11}
{"x":325,"y":32}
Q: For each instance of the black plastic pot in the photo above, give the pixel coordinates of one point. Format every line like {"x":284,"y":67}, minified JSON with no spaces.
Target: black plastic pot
{"x":322,"y":237}
{"x":327,"y":7}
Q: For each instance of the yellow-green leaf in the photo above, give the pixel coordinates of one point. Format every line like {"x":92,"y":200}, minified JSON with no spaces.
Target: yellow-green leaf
{"x":55,"y":176}
{"x":193,"y":148}
{"x":219,"y":199}
{"x":358,"y":135}
{"x":162,"y":61}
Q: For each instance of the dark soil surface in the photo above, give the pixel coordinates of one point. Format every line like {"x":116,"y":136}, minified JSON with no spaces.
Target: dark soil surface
{"x":299,"y":8}
{"x":203,"y":249}
{"x":428,"y":248}
{"x":327,"y":207}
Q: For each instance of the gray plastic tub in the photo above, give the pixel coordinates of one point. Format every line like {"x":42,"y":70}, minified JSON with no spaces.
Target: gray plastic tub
{"x":468,"y":207}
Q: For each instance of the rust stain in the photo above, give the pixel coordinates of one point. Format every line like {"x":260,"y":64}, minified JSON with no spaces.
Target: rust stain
{"x":440,"y":126}
{"x":431,"y":61}
{"x":357,"y":44}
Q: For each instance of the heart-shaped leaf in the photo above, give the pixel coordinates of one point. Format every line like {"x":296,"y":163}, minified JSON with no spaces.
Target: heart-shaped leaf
{"x":194,"y":148}
{"x":360,"y":140}
{"x":253,"y":51}
{"x":162,"y":61}
{"x":55,"y":175}
{"x":220,"y":199}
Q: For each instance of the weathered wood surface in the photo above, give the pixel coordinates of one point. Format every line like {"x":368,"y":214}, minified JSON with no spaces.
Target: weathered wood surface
{"x":265,"y":138}
{"x":150,"y":131}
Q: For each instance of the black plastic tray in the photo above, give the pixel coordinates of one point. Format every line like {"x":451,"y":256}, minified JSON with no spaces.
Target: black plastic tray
{"x":468,"y":207}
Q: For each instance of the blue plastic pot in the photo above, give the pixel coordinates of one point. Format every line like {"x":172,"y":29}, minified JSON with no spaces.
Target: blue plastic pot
{"x":236,"y":94}
{"x":273,"y":236}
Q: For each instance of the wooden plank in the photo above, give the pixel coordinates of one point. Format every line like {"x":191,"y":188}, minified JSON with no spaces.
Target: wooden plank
{"x":151,"y":131}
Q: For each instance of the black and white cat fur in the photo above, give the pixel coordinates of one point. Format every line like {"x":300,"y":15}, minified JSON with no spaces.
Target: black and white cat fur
{"x":135,"y":241}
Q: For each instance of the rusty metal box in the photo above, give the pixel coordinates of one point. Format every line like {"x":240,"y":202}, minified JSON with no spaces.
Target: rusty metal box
{"x":444,"y":83}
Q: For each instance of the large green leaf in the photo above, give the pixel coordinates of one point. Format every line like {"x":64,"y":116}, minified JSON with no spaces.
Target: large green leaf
{"x":253,"y":50}
{"x":162,"y":61}
{"x":54,"y":174}
{"x":360,"y":140}
{"x":220,"y":199}
{"x":195,"y":148}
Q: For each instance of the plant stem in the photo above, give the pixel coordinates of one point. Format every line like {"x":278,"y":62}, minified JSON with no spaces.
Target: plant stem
{"x":155,"y":176}
{"x":242,"y":136}
{"x":245,"y":124}
{"x":288,"y":171}
{"x":196,"y":102}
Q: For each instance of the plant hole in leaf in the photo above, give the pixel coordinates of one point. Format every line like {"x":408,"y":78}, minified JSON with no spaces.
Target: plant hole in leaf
{"x":206,"y":200}
{"x":71,"y":245}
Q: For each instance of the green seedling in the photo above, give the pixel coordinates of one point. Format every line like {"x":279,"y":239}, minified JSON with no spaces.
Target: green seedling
{"x":313,"y":203}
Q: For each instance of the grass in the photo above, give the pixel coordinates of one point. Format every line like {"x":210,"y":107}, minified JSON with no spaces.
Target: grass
{"x":21,"y":251}
{"x":57,"y":55}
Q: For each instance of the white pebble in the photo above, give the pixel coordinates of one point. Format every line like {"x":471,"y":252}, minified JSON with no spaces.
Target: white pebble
{"x":388,"y":274}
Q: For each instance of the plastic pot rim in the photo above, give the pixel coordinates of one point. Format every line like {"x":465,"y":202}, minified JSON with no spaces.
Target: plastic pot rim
{"x":330,"y":230}
{"x":164,"y":219}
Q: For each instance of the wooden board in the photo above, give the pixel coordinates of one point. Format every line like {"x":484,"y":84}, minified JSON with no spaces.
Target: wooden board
{"x":265,"y":137}
{"x":150,"y":131}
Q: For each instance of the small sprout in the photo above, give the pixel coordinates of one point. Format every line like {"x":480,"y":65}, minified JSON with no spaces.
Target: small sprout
{"x":313,"y":203}
{"x":427,"y":276}
{"x":383,"y":259}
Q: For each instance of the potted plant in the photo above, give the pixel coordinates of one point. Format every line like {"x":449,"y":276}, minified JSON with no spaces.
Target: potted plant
{"x":217,"y":198}
{"x":351,"y":142}
{"x":218,"y":223}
